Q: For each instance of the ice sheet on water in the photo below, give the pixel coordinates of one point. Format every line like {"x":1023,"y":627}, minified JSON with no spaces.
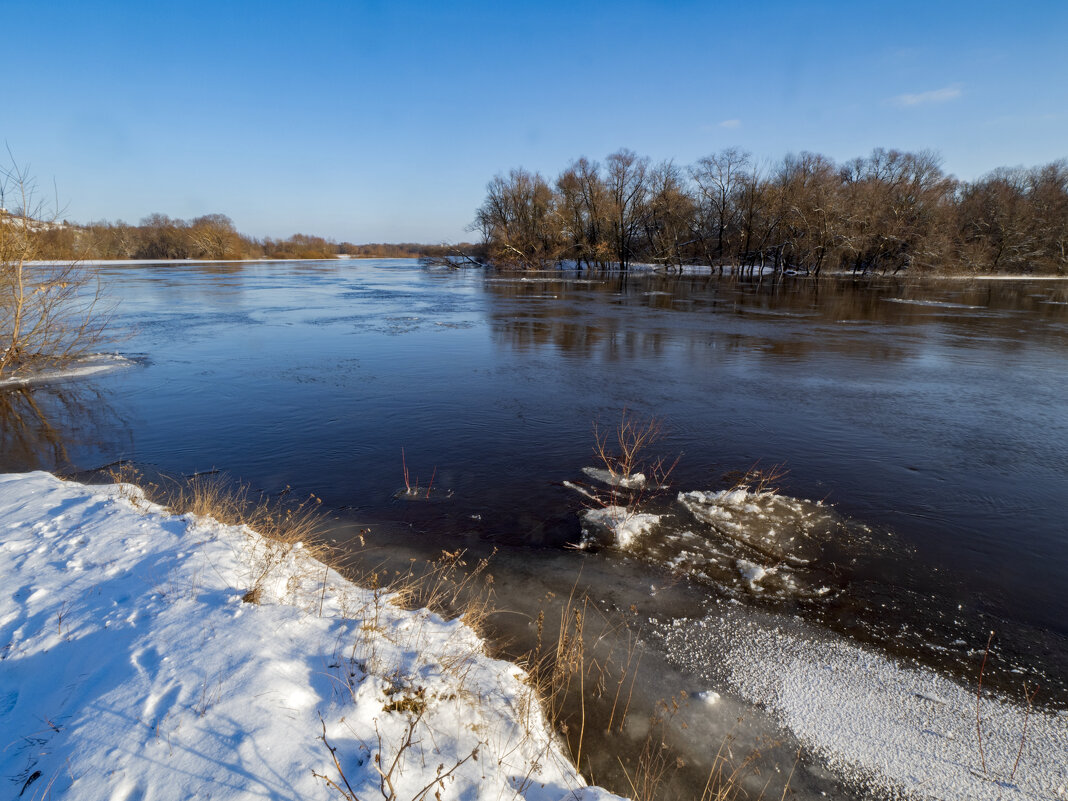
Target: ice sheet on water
{"x":893,"y":730}
{"x":614,"y":479}
{"x":93,"y":364}
{"x":938,"y":304}
{"x":778,"y":527}
{"x":742,"y":540}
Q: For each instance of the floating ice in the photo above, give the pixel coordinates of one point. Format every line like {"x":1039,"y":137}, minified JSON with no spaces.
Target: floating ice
{"x":626,"y":526}
{"x":740,"y":540}
{"x":938,"y":304}
{"x":612,"y":479}
{"x":83,"y":367}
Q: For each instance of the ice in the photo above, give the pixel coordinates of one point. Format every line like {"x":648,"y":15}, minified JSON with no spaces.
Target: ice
{"x":895,"y":730}
{"x":753,"y":572}
{"x":83,"y":367}
{"x":626,"y":526}
{"x":743,"y":541}
{"x":612,"y":479}
{"x":937,"y":304}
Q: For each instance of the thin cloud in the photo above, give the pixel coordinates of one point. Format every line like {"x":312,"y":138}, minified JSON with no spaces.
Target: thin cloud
{"x":933,"y":97}
{"x":731,"y":124}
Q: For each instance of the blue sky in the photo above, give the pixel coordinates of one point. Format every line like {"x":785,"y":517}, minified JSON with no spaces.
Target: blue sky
{"x":378,"y":121}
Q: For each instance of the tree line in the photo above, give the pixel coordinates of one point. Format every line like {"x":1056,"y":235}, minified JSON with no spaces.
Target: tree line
{"x":210,"y":237}
{"x":886,"y":212}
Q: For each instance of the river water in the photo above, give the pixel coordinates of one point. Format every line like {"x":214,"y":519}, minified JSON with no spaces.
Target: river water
{"x":922,"y":429}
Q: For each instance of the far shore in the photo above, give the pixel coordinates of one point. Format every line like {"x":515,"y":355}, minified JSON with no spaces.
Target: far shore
{"x":634,"y":268}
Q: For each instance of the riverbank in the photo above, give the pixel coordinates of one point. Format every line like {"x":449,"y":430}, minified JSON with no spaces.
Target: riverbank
{"x":146,"y":655}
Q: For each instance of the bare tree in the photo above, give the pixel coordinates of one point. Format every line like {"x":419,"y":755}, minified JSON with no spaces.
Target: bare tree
{"x":627,"y":179}
{"x":519,"y":222}
{"x":719,"y":179}
{"x":670,"y":209}
{"x":214,"y":237}
{"x":50,"y":312}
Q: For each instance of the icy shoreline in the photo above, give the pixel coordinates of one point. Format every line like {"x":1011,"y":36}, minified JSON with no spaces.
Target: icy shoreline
{"x":892,"y":731}
{"x":82,"y":367}
{"x":130,"y":667}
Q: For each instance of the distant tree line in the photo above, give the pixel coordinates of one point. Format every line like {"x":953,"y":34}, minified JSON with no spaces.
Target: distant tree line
{"x":210,"y":237}
{"x":887,"y":212}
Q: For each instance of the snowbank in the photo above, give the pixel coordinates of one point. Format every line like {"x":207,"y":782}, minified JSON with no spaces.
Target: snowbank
{"x":131,"y":668}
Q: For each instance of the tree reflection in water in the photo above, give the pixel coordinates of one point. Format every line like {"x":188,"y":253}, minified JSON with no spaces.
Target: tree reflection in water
{"x":55,"y":427}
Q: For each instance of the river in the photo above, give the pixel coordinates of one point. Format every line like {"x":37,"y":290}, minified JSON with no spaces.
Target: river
{"x":919,"y":428}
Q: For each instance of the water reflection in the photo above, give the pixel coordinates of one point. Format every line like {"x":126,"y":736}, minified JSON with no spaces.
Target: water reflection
{"x":55,"y":427}
{"x":619,"y":318}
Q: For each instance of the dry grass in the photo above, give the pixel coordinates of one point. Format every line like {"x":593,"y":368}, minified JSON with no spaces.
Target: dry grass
{"x":583,"y":672}
{"x":283,"y":525}
{"x":759,"y":480}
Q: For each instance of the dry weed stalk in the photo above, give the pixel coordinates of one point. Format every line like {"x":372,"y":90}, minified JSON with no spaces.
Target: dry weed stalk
{"x":574,"y":682}
{"x":978,"y":698}
{"x":571,"y":677}
{"x":412,"y":489}
{"x":632,"y":437}
{"x":657,"y":764}
{"x":760,"y":481}
{"x":388,"y":762}
{"x":1029,"y":698}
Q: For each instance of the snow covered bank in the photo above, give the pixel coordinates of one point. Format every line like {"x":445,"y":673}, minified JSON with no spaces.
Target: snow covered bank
{"x":131,"y":668}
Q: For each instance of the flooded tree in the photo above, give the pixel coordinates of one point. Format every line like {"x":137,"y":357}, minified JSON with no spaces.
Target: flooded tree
{"x":718,"y":180}
{"x":887,"y":212}
{"x":519,"y":220}
{"x":626,"y":178}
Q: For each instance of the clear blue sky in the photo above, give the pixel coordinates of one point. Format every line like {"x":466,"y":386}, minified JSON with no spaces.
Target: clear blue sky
{"x":383,"y":121}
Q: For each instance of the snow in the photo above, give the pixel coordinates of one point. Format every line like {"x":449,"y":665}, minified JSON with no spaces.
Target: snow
{"x":626,"y":526}
{"x":131,"y":668}
{"x":79,"y":368}
{"x":901,"y":731}
{"x":753,"y":572}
